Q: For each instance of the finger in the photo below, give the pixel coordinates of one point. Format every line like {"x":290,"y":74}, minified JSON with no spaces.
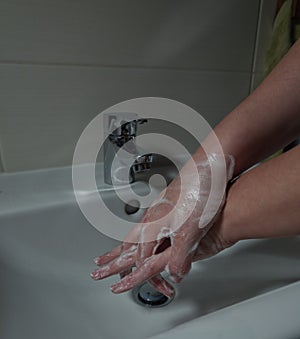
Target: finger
{"x":154,"y":232}
{"x":148,"y":249}
{"x":124,"y":273}
{"x":108,"y":256}
{"x":145,"y":250}
{"x":140,"y":236}
{"x":184,"y":243}
{"x":154,"y":235}
{"x":152,"y":214}
{"x":125,"y":261}
{"x":209,"y":246}
{"x":162,"y":285}
{"x":178,"y":271}
{"x":114,"y":253}
{"x":149,"y":269}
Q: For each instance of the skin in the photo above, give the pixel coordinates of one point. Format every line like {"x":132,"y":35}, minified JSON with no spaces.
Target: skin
{"x":249,"y":212}
{"x":150,"y":237}
{"x":261,"y":203}
{"x":268,"y":119}
{"x":264,"y":203}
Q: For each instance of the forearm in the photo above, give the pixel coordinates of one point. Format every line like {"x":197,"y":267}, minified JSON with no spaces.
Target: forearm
{"x":265,"y":202}
{"x":267,"y":120}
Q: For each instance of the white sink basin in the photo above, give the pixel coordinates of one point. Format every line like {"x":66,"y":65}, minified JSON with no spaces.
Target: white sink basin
{"x":46,"y":252}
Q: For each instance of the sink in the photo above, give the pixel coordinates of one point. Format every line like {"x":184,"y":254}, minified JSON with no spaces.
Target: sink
{"x":46,"y":255}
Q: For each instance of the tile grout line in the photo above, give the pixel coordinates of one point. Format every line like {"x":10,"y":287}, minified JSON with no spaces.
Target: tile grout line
{"x":135,"y":67}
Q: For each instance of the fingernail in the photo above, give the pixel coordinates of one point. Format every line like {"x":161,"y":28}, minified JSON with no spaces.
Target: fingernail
{"x":96,"y":260}
{"x":99,"y":274}
{"x":169,"y":293}
{"x":116,"y":288}
{"x":95,"y":275}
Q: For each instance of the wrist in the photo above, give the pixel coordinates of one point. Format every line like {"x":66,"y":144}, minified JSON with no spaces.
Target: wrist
{"x":231,"y":222}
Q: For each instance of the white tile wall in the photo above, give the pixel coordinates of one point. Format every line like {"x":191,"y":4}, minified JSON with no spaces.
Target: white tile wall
{"x":63,"y":61}
{"x":200,"y":34}
{"x":50,"y":106}
{"x":1,"y":161}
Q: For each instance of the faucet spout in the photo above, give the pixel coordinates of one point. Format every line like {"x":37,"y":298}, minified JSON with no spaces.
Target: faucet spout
{"x":123,"y":159}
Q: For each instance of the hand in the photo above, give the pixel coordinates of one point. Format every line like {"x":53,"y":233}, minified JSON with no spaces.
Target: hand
{"x":168,"y":236}
{"x":123,"y":258}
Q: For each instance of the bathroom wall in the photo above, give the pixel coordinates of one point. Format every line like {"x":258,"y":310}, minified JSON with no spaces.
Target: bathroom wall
{"x":64,"y":61}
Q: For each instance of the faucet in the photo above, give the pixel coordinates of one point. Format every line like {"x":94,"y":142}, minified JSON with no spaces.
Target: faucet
{"x":121,"y":151}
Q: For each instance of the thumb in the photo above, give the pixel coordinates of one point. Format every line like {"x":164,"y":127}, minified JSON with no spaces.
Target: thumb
{"x":182,"y":252}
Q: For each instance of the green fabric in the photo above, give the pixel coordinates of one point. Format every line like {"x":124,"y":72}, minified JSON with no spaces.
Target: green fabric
{"x":296,"y":31}
{"x":281,"y":37}
{"x":280,"y":43}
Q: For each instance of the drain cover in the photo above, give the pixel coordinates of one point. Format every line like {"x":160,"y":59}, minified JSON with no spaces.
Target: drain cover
{"x":147,"y":296}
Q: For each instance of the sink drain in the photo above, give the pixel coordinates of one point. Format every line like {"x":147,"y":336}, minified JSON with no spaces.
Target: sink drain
{"x":147,"y":296}
{"x":132,"y":207}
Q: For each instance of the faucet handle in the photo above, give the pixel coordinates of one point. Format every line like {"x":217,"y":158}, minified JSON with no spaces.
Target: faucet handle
{"x":130,"y":128}
{"x":123,"y":124}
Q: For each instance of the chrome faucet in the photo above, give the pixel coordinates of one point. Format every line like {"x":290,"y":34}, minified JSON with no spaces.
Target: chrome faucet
{"x":123,"y":159}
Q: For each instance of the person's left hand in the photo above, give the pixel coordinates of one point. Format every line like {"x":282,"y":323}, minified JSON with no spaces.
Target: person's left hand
{"x":123,"y":258}
{"x":168,"y":236}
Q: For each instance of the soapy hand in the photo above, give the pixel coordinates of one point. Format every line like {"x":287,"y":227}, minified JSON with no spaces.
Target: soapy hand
{"x":175,"y":229}
{"x":123,"y":259}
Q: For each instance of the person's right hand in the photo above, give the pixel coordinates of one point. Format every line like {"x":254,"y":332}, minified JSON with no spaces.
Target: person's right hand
{"x":168,"y":236}
{"x":124,"y":257}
